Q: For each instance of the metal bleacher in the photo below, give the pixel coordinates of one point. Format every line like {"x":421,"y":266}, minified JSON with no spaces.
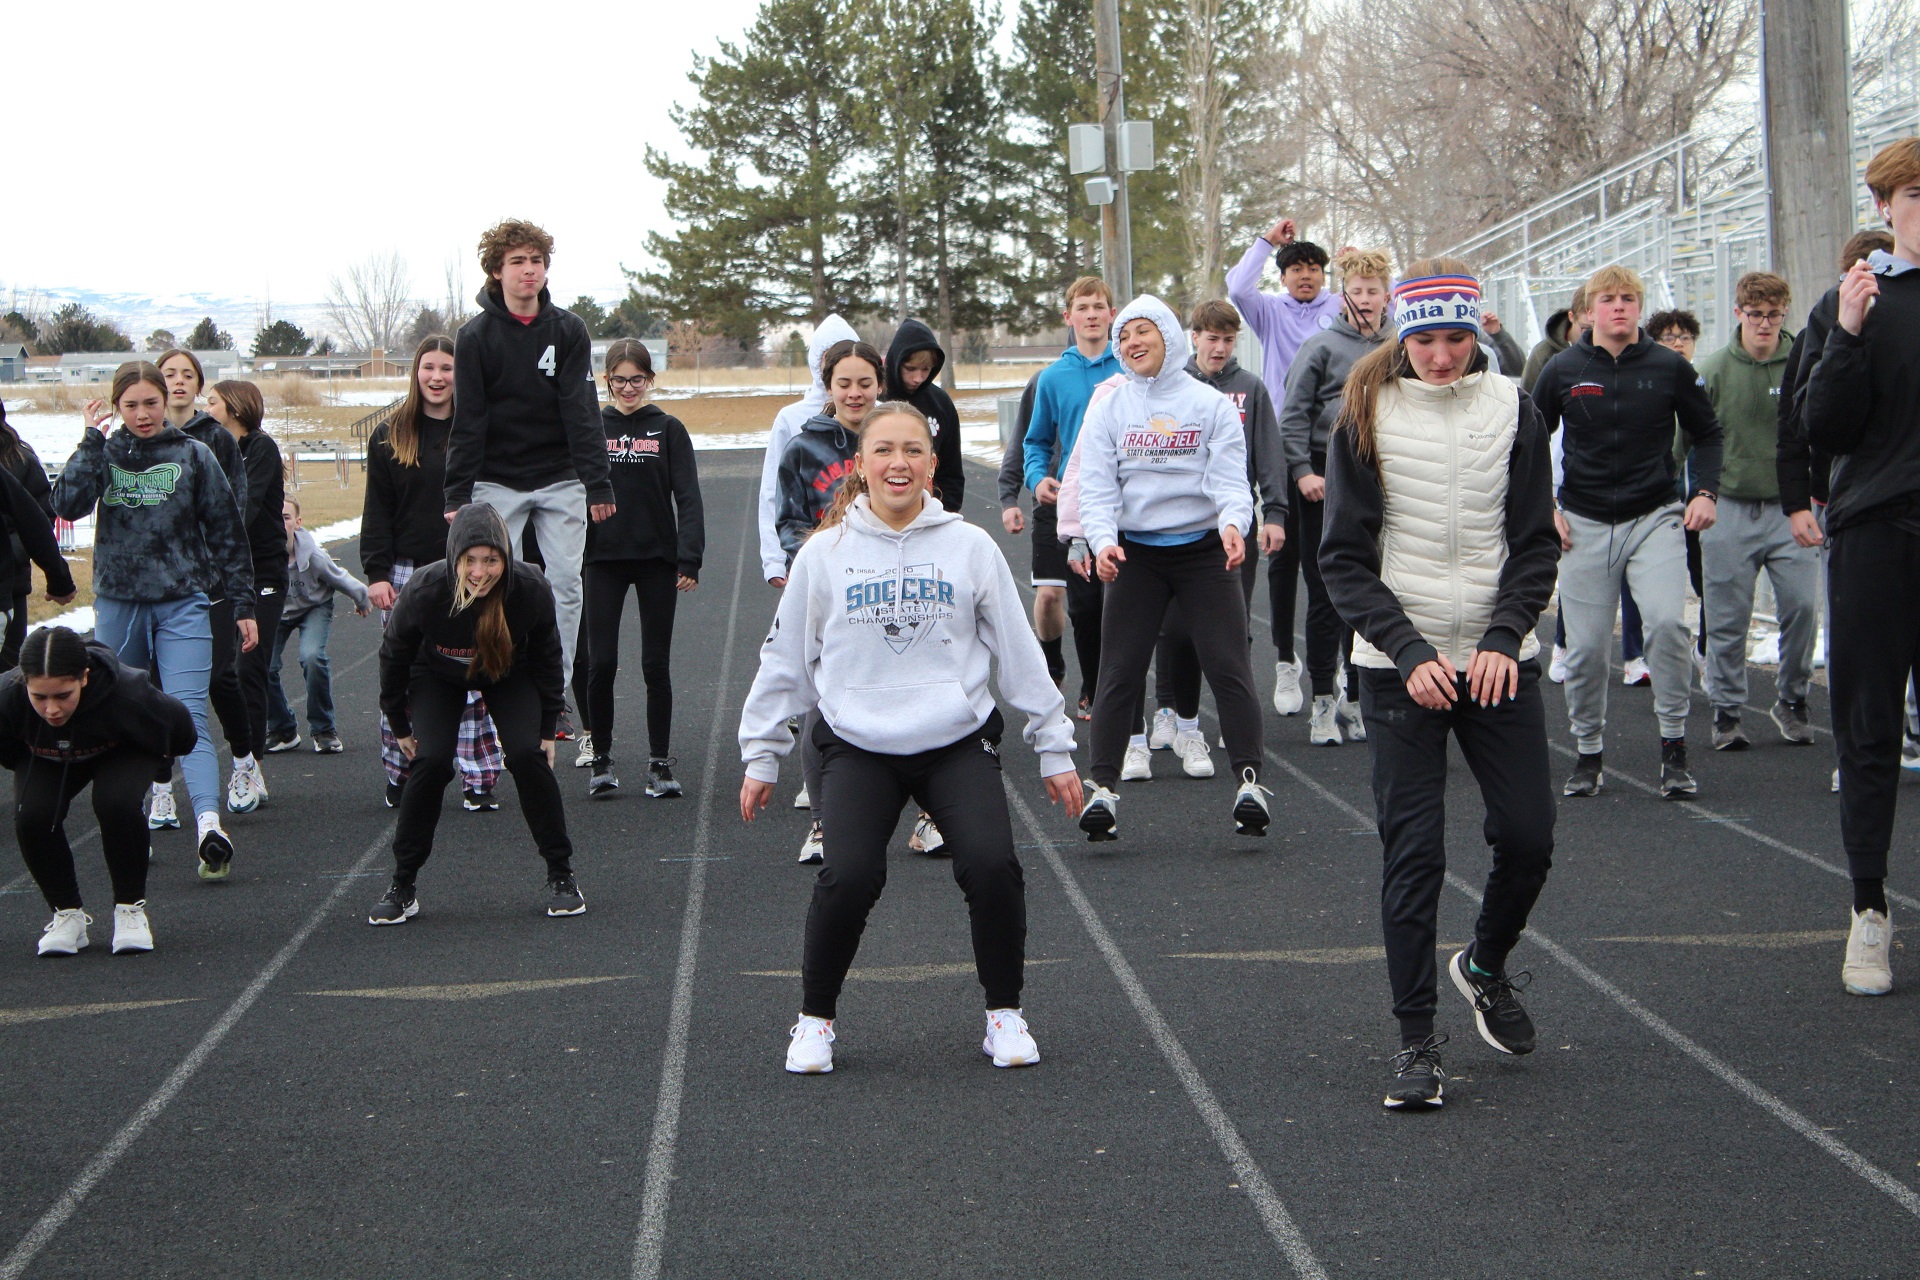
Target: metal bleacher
{"x":1690,"y":215}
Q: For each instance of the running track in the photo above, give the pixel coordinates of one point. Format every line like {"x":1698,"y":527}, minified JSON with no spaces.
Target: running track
{"x":281,"y":1091}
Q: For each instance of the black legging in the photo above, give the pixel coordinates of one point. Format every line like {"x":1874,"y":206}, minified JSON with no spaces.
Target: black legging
{"x":436,"y":706}
{"x":43,"y":790}
{"x":1176,"y":663}
{"x":862,"y":793}
{"x":1283,"y":579}
{"x":255,"y":665}
{"x":1329,"y":640}
{"x":655,"y":585}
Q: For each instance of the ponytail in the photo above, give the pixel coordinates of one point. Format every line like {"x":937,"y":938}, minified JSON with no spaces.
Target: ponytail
{"x":54,"y":651}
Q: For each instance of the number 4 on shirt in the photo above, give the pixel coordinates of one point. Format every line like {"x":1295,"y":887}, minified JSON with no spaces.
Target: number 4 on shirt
{"x":546,"y":361}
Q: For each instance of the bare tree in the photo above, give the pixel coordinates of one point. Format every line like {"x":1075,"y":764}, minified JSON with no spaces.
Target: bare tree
{"x":455,"y":309}
{"x":372,"y":305}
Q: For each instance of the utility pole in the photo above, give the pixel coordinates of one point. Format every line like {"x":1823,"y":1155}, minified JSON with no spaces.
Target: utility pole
{"x":1809,"y":142}
{"x":1116,"y":230}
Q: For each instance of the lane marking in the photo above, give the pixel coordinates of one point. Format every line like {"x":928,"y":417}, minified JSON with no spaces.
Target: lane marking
{"x":1753,"y":941}
{"x":470,"y":990}
{"x":1899,"y":1192}
{"x":1252,"y":1179}
{"x":1306,"y":955}
{"x":42,"y":1232}
{"x":894,"y":973}
{"x":649,"y":1245}
{"x":50,"y":1012}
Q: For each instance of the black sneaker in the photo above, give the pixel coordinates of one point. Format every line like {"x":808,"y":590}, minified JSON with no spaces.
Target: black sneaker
{"x":1502,"y":1022}
{"x":394,"y":791}
{"x":327,"y":744}
{"x":216,"y":855}
{"x":1726,"y":732}
{"x":1587,"y":778}
{"x":1676,"y":782}
{"x":477,"y":801}
{"x":602,"y":783}
{"x":563,"y":730}
{"x":661,"y":784}
{"x":397,"y":907}
{"x":564,"y":897}
{"x":278,"y":742}
{"x":1418,"y":1082}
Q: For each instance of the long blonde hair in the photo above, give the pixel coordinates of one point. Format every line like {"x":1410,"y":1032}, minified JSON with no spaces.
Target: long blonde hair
{"x":492,"y":638}
{"x":1360,"y":399}
{"x":856,"y":482}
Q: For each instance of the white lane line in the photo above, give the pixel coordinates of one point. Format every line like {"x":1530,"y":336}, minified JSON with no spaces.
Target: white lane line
{"x":19,"y":882}
{"x":42,"y":1232}
{"x":1879,"y":1179}
{"x":1273,"y":1213}
{"x":650,"y":1244}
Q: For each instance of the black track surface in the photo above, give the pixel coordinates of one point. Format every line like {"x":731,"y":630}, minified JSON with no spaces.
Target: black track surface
{"x":1696,"y":1048}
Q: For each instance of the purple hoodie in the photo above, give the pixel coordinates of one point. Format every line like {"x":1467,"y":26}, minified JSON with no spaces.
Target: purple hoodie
{"x":1280,"y":322}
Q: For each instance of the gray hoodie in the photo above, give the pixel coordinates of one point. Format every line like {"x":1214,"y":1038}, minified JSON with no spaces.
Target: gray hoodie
{"x":1315,"y":382}
{"x":1266,"y":453}
{"x":315,"y":576}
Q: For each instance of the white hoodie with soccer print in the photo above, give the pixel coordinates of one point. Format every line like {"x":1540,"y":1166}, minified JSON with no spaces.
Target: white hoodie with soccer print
{"x":1164,"y":454}
{"x":893,"y":636}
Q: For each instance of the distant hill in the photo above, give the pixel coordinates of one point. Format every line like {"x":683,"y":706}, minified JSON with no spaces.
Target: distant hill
{"x":141,"y":314}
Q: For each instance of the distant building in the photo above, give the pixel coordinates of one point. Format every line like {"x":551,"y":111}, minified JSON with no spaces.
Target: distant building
{"x":81,"y":367}
{"x":13,"y":362}
{"x":656,"y":347}
{"x":337,"y":365}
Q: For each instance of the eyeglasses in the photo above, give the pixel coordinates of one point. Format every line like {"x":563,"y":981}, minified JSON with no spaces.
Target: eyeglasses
{"x":635,"y":383}
{"x":1764,"y":317}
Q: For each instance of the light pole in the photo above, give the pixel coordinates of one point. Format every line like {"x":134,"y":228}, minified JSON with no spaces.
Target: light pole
{"x":1116,"y":145}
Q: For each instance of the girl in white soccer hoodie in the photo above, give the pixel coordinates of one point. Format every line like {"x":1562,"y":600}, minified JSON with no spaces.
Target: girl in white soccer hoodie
{"x":1164,"y":505}
{"x":894,"y":611}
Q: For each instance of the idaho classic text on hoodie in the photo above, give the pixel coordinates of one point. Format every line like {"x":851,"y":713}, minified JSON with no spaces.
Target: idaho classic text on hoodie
{"x":524,"y":410}
{"x":1163,"y":456}
{"x":892,"y":635}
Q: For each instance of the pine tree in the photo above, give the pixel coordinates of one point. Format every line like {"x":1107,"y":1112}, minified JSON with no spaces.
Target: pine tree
{"x":208,"y":336}
{"x":1048,"y":87}
{"x":282,"y":338}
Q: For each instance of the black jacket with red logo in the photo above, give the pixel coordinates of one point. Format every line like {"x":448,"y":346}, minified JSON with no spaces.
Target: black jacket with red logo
{"x":816,"y":461}
{"x":656,"y":490}
{"x":1617,"y":455}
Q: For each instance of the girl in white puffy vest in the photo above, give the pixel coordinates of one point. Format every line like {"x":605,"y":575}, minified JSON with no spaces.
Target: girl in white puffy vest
{"x":1440,"y":551}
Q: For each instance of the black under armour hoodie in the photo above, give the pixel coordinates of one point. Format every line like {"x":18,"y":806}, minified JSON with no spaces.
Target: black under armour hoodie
{"x":524,"y":410}
{"x":119,"y":707}
{"x":949,"y":471}
{"x":425,"y":637}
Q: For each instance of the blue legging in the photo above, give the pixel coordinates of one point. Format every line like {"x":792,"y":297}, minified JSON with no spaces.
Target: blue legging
{"x":173,"y":641}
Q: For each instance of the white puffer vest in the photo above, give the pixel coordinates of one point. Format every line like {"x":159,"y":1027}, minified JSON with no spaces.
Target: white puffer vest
{"x":1445,"y":463}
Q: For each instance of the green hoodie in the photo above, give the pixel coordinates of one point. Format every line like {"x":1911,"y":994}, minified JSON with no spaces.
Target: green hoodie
{"x":1746,"y":398}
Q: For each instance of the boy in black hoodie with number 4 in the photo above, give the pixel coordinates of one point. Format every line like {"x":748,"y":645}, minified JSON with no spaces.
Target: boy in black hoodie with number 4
{"x":526,"y":434}
{"x":914,"y":361}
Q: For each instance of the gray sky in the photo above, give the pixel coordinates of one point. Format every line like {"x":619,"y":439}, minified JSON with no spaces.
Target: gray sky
{"x":228,"y":149}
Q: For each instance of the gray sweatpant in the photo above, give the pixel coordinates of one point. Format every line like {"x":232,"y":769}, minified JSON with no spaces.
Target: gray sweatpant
{"x":1651,"y":554}
{"x":1748,"y":537}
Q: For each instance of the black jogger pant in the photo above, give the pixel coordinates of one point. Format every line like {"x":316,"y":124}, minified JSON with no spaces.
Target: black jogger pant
{"x":1086,"y":606}
{"x":1873,"y":625}
{"x":862,"y":794}
{"x":254,"y":666}
{"x":436,"y":706}
{"x":1506,"y":748}
{"x":1152,"y":579}
{"x":655,"y":585}
{"x":1283,"y":579}
{"x":42,"y":793}
{"x":1329,"y":640}
{"x":1176,"y":663}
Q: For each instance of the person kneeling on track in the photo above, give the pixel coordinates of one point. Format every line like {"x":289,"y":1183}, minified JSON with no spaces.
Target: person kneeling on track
{"x":1163,"y":498}
{"x":895,"y":611}
{"x":72,"y":715}
{"x":477,"y":620}
{"x":1439,"y":550}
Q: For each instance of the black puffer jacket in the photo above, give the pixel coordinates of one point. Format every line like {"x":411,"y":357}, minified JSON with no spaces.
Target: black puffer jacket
{"x":119,"y":707}
{"x":949,"y":471}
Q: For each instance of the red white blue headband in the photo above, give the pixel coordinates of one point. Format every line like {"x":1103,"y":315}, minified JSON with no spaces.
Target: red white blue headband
{"x":1436,"y":302}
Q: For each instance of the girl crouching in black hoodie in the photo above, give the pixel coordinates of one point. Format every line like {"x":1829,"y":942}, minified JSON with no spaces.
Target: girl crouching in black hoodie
{"x":72,"y":715}
{"x":477,"y":620}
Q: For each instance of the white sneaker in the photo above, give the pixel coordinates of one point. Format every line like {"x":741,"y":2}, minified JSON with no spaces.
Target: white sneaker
{"x":1287,"y":698}
{"x":1137,"y":766}
{"x":1557,"y":668}
{"x":131,"y":932}
{"x":1008,"y":1041}
{"x":1349,"y":712}
{"x":1166,"y":727}
{"x":810,"y":1049}
{"x":1635,"y":673}
{"x":66,"y":933}
{"x":1868,"y":970}
{"x":802,"y":800}
{"x":1191,"y":747}
{"x":813,"y":851}
{"x":241,"y":797}
{"x":1323,"y":729}
{"x":926,"y":837}
{"x":585,"y":758}
{"x":160,"y":809}
{"x":1100,"y":818}
{"x":1836,"y":782}
{"x":1250,"y":815}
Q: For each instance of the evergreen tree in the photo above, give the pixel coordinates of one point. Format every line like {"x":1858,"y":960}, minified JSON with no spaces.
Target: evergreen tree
{"x":426,"y":322}
{"x":282,"y":338}
{"x":639,"y":314}
{"x":768,"y":230}
{"x":1048,"y":87}
{"x":591,"y":314}
{"x":74,"y":328}
{"x":161,"y":340}
{"x":208,"y":336}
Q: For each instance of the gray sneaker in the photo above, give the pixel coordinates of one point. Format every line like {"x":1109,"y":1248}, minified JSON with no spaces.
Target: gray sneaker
{"x":1727,"y":734}
{"x":1793,"y":722}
